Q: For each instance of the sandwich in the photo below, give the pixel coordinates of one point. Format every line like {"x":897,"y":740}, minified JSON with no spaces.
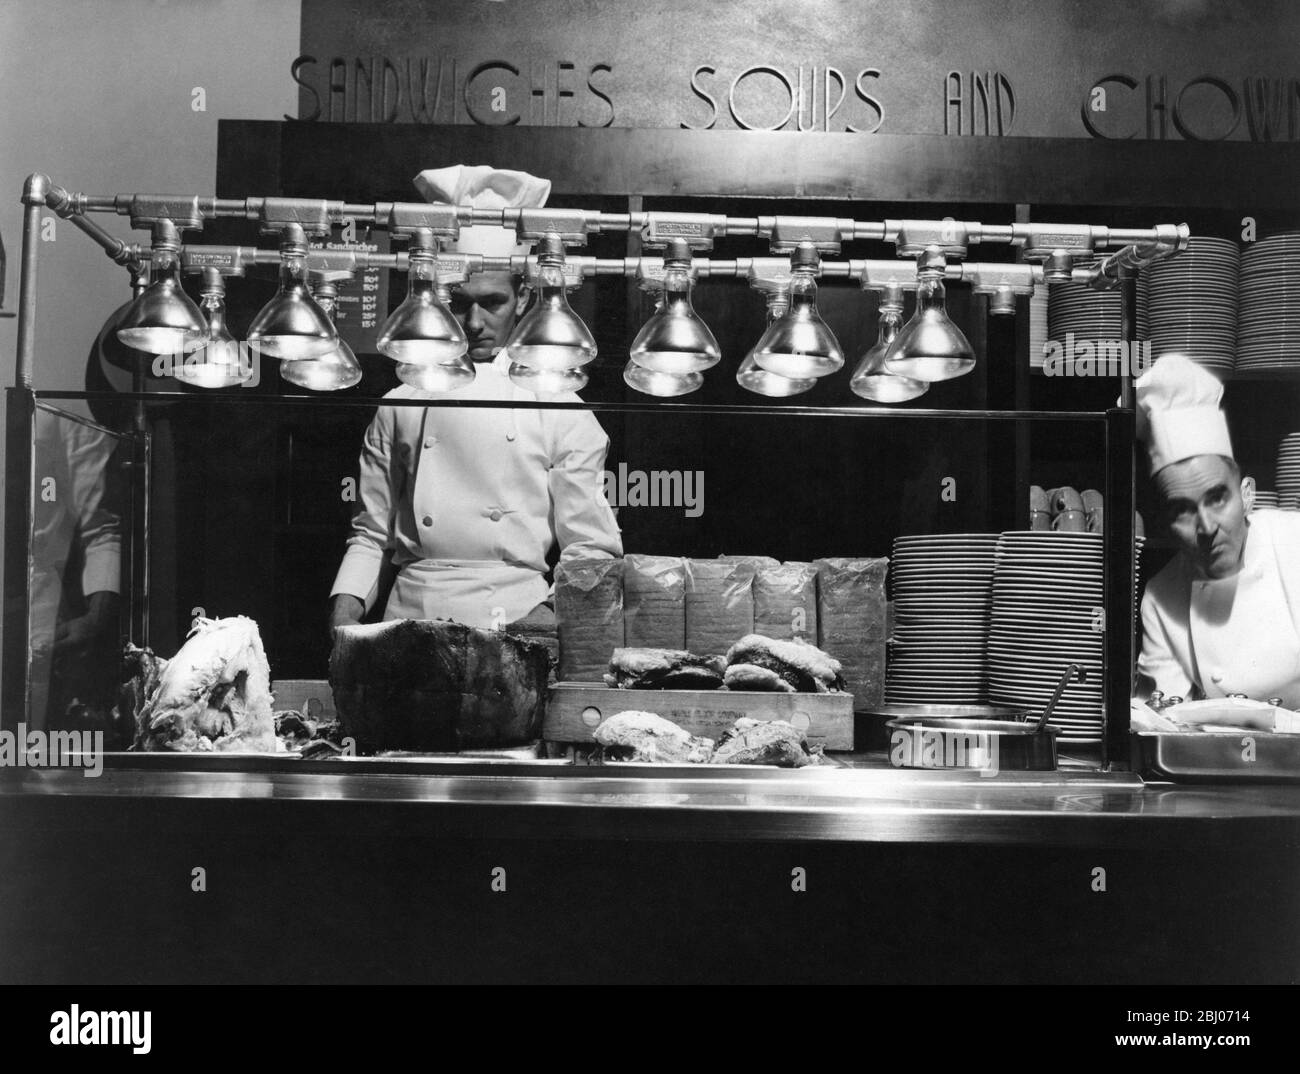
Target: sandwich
{"x":756,"y":662}
{"x":663,"y":669}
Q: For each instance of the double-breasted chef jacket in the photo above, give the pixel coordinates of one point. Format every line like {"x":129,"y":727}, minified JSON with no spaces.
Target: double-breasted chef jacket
{"x":1237,"y":635}
{"x":470,"y":500}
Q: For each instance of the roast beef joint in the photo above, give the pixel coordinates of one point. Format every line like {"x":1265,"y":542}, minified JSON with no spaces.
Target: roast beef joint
{"x":434,"y":686}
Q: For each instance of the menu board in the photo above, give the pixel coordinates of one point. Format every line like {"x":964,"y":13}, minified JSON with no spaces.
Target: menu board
{"x":362,"y":302}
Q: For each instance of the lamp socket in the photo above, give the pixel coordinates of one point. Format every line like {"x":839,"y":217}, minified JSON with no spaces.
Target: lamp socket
{"x":228,"y":260}
{"x":877,"y":275}
{"x":1040,"y":242}
{"x":570,"y":226}
{"x":650,"y":273}
{"x":697,"y":230}
{"x":145,"y":210}
{"x":824,"y":233}
{"x":314,"y":216}
{"x":913,"y":237}
{"x":408,"y":217}
{"x":574,"y":269}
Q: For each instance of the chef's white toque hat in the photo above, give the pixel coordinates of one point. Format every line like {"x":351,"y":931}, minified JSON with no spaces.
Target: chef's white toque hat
{"x":485,"y":187}
{"x":1178,"y":413}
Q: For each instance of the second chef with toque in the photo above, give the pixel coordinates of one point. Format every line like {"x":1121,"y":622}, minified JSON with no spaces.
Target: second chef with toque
{"x":471,"y":500}
{"x":1223,"y":617}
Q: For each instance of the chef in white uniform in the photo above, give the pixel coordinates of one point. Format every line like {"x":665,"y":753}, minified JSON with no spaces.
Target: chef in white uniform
{"x":1223,"y":617}
{"x":471,"y":500}
{"x":76,"y":525}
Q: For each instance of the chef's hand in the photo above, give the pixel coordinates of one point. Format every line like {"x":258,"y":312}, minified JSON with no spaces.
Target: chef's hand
{"x":345,"y":610}
{"x":539,"y":622}
{"x":77,"y":637}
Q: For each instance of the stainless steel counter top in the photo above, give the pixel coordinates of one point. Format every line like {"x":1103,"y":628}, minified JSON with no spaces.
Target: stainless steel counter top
{"x":870,"y":802}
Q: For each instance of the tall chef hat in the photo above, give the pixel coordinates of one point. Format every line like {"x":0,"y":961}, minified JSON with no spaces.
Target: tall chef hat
{"x":485,"y":187}
{"x":1178,"y":413}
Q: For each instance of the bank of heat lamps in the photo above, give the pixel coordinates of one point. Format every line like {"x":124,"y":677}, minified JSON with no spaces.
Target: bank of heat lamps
{"x":550,"y":347}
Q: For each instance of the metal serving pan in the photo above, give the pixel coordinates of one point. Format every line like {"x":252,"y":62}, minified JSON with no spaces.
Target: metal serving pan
{"x":1210,"y":757}
{"x":871,"y":726}
{"x":1028,"y":745}
{"x":996,"y":744}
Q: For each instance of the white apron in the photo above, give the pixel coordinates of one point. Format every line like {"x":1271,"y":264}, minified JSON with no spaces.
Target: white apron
{"x":477,"y":592}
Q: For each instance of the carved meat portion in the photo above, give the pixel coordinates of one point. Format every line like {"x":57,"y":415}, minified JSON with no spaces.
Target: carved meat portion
{"x":764,"y":742}
{"x":215,"y":694}
{"x":141,"y":670}
{"x":646,"y":737}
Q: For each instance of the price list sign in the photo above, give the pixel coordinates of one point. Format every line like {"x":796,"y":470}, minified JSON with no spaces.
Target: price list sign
{"x":362,"y":302}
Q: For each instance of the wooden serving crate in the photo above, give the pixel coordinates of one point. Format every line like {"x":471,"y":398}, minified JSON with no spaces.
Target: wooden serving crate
{"x":575,"y":709}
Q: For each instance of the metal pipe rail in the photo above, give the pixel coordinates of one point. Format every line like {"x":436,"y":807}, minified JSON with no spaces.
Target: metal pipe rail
{"x":189,"y":211}
{"x":318,"y":216}
{"x":232,"y":260}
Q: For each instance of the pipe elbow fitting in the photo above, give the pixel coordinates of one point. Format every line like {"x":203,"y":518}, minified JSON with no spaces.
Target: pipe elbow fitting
{"x":36,"y":188}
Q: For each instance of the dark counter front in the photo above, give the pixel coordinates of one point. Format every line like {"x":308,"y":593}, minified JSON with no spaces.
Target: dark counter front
{"x":395,"y":870}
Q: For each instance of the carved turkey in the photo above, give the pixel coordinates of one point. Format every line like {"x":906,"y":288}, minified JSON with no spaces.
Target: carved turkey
{"x":215,"y":694}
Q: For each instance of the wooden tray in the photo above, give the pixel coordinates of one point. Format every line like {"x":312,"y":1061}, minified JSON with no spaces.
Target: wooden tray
{"x":575,"y":709}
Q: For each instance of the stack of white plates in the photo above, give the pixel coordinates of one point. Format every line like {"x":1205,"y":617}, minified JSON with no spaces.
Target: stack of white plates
{"x":1191,"y":304}
{"x":1268,"y":326}
{"x":941,"y":588}
{"x":1264,"y":498}
{"x":1139,"y":543}
{"x":1037,"y":327}
{"x":1047,"y":601}
{"x":1087,"y":314}
{"x":1287,"y":479}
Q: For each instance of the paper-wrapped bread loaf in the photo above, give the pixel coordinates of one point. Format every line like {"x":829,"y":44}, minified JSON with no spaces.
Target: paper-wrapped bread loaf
{"x":785,"y":601}
{"x":759,"y":562}
{"x":588,"y":616}
{"x":851,"y":622}
{"x":654,"y":602}
{"x":719,"y":604}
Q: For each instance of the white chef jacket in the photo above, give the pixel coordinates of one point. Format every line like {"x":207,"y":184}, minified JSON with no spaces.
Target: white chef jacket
{"x":1237,"y":635}
{"x":471,"y":499}
{"x":70,"y":508}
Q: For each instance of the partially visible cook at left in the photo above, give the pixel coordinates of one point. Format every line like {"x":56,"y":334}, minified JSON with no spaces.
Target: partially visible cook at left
{"x":470,"y":501}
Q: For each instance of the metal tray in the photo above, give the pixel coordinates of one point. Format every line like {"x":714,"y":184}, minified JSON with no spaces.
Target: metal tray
{"x":1204,"y":757}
